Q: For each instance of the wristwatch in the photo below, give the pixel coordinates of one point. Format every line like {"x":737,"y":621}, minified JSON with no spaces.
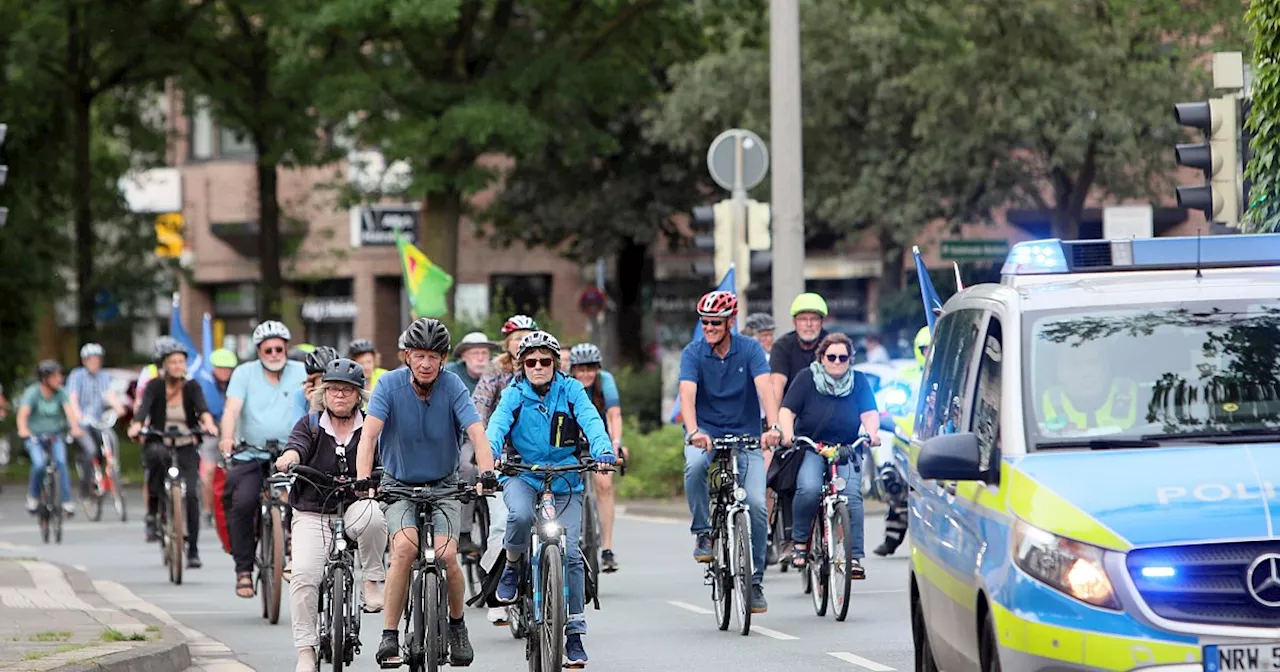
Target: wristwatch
{"x":775,"y":428}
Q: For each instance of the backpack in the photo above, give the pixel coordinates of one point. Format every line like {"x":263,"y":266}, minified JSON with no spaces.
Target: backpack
{"x":581,"y":447}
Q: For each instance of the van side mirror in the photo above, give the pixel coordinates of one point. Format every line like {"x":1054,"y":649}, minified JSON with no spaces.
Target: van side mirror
{"x":950,"y":457}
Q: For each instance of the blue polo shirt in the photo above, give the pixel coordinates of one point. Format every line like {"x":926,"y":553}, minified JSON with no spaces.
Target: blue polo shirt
{"x":421,"y":440}
{"x":727,"y":402}
{"x":268,"y":408}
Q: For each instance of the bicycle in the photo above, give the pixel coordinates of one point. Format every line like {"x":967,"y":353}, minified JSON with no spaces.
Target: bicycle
{"x":171,"y":517}
{"x":730,"y":570}
{"x":426,"y":612}
{"x":590,"y":537}
{"x":339,"y":605}
{"x":274,"y":501}
{"x":105,"y":470}
{"x":50,"y":513}
{"x":471,"y":561}
{"x":827,"y":575}
{"x":542,"y":599}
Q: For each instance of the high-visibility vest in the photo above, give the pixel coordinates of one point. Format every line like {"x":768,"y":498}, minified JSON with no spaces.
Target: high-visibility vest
{"x":1120,"y":409}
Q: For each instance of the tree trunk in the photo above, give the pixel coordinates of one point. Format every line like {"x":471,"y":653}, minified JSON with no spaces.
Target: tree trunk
{"x":269,"y":285}
{"x":635,"y":270}
{"x":1064,"y":224}
{"x":892,"y":279}
{"x":82,"y":180}
{"x":439,"y":239}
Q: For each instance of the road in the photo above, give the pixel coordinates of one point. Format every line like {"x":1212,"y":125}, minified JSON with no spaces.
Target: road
{"x":655,"y":612}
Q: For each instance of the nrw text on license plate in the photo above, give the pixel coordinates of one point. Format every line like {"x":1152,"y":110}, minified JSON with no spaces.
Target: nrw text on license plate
{"x":1242,"y":657}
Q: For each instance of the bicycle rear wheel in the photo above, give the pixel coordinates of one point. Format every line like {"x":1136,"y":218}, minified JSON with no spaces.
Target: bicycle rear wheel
{"x":177,"y":540}
{"x":841,"y":579}
{"x":111,"y":474}
{"x":776,"y":533}
{"x":92,"y":502}
{"x":742,"y":572}
{"x":590,"y":545}
{"x":266,"y":541}
{"x":55,"y":507}
{"x":554,"y":610}
{"x":816,"y":568}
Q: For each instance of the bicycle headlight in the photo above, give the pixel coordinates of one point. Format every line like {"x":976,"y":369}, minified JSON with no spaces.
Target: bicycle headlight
{"x":839,"y":483}
{"x":551,"y":529}
{"x":1070,"y":566}
{"x":341,"y":544}
{"x":173,"y":472}
{"x":740,"y":494}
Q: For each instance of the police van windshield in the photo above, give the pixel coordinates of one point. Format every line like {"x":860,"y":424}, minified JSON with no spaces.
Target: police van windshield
{"x":1151,"y":373}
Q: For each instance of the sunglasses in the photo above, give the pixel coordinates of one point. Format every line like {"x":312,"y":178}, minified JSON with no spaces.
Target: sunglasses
{"x":712,"y":323}
{"x":838,"y":358}
{"x":535,"y":362}
{"x":272,"y":351}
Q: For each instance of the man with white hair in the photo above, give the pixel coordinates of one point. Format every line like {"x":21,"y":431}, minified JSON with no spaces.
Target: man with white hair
{"x":90,"y":390}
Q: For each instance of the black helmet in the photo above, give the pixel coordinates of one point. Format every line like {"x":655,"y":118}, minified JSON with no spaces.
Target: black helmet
{"x":538,"y":340}
{"x":319,"y":359}
{"x":585,"y":353}
{"x":343,"y":370}
{"x":427,"y":333}
{"x":47,"y":367}
{"x":360,"y":346}
{"x":165,"y":346}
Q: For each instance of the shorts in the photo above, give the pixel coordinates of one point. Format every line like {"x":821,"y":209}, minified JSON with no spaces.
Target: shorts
{"x":447,"y":515}
{"x":209,"y":452}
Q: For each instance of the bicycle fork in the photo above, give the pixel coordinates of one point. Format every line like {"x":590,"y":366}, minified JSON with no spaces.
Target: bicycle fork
{"x":550,"y":530}
{"x":834,"y":495}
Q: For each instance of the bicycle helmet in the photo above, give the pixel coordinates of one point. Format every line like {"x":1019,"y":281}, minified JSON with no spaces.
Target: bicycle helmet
{"x":809,"y":302}
{"x":400,"y":343}
{"x":538,"y":340}
{"x":360,"y":346}
{"x":585,"y":353}
{"x":318,"y":360}
{"x":91,"y":350}
{"x":270,"y":329}
{"x":427,"y":333}
{"x":344,"y":370}
{"x":223,"y":358}
{"x":47,"y":367}
{"x":519,"y":323}
{"x":165,"y":346}
{"x":759,"y":322}
{"x":718,"y":304}
{"x":923,"y":338}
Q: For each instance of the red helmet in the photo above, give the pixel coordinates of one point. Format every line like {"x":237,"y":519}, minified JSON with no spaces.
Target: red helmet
{"x":519,"y":323}
{"x":718,"y":304}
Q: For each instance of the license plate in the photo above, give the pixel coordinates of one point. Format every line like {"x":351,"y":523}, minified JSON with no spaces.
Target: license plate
{"x":1242,"y":657}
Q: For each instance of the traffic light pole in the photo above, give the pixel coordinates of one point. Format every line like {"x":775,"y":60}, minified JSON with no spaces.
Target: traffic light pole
{"x":788,"y":171}
{"x":740,"y":275}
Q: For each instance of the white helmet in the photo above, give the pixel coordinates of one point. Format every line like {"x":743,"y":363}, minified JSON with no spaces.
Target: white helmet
{"x":270,"y":329}
{"x":91,"y":350}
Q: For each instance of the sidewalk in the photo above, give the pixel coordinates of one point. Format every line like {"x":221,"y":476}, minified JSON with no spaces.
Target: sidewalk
{"x":52,"y":618}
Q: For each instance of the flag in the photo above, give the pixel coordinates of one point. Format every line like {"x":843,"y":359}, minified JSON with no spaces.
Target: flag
{"x":179,"y":332}
{"x":426,"y":283}
{"x":727,"y":284}
{"x":928,"y":295}
{"x":206,"y":348}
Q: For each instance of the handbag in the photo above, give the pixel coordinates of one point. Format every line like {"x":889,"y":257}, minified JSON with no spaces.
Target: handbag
{"x":785,"y":467}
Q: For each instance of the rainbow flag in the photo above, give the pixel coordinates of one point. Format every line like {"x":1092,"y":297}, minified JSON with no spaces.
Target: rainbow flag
{"x":426,"y":283}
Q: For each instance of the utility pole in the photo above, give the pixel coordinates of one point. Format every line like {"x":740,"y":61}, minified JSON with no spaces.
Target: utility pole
{"x":788,"y":172}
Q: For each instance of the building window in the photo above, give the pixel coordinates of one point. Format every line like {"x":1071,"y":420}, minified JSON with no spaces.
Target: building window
{"x":524,"y":293}
{"x":210,"y":140}
{"x":202,"y":130}
{"x":233,"y":145}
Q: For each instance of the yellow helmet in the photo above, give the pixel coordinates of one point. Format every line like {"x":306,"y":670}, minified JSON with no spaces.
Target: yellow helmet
{"x":921,"y":346}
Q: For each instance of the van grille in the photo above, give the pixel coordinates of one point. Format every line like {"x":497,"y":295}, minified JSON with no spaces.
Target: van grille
{"x":1210,"y":583}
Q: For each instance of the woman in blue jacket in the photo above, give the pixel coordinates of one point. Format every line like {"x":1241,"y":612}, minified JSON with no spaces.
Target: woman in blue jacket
{"x":549,"y":403}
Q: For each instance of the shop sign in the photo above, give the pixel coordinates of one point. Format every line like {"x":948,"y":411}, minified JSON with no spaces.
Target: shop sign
{"x":328,"y":310}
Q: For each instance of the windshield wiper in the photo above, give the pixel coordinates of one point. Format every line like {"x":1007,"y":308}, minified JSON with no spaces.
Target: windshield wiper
{"x":1248,"y":435}
{"x":1099,"y":443}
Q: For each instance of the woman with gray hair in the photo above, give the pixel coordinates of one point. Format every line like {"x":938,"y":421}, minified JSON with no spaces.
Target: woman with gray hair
{"x":321,"y":440}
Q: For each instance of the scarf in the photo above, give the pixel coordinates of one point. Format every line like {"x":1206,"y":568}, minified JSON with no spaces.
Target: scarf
{"x":829,"y":386}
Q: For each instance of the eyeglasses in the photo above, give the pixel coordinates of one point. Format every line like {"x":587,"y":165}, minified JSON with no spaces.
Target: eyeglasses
{"x":272,"y":351}
{"x":341,"y":391}
{"x":712,"y":323}
{"x":535,"y":362}
{"x":838,"y":358}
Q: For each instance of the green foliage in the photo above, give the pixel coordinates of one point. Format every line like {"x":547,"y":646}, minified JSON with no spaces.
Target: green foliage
{"x":656,"y":465}
{"x":641,"y":396}
{"x":1263,"y":170}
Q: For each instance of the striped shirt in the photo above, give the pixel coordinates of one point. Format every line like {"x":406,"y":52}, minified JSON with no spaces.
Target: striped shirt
{"x":90,"y":391}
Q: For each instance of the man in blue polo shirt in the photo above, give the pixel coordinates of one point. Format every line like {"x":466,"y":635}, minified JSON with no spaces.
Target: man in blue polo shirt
{"x":421,"y":411}
{"x":722,"y":382}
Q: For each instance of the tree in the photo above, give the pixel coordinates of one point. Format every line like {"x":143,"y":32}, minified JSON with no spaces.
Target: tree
{"x":1263,"y":213}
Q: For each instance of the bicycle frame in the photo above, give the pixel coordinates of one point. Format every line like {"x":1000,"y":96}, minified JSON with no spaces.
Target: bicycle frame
{"x":729,"y":497}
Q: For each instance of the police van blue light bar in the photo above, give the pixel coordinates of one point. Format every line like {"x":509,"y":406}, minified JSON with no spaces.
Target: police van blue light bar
{"x":1044,"y":257}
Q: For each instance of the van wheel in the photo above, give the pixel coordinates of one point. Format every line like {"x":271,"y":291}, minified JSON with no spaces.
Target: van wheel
{"x":988,"y":649}
{"x":920,"y":635}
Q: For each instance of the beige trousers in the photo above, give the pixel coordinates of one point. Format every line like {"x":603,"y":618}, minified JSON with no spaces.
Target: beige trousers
{"x":311,"y":545}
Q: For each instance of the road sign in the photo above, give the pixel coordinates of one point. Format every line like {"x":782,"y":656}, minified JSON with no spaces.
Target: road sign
{"x":169,"y":240}
{"x":1128,"y":221}
{"x":591,"y":301}
{"x":975,"y":250}
{"x":722,"y":159}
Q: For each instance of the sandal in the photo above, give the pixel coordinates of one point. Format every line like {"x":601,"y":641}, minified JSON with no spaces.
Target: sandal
{"x":800,"y":557}
{"x":244,"y":585}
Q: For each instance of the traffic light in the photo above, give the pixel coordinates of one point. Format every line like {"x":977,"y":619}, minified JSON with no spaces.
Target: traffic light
{"x":716,"y":229}
{"x":4,"y":174}
{"x":169,"y":241}
{"x":1219,"y":198}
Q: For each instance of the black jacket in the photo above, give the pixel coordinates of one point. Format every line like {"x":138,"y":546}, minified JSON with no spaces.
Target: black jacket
{"x":321,"y":456}
{"x":153,"y":404}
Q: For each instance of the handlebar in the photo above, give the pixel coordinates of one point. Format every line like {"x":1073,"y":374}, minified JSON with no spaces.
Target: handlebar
{"x":274,"y":447}
{"x":738,"y":441}
{"x":587,"y":464}
{"x":172,"y":433}
{"x":320,"y":479}
{"x":830,"y":450}
{"x":425,"y":495}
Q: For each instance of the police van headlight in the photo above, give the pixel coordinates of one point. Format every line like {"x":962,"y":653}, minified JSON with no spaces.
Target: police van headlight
{"x":1067,"y":565}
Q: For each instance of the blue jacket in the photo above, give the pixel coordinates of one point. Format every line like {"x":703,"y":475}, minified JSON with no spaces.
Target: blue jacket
{"x":531,"y":434}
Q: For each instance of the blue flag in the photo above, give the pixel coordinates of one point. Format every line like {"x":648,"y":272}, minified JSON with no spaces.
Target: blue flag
{"x":179,"y":332}
{"x":206,"y":349}
{"x":928,"y":295}
{"x":727,"y":284}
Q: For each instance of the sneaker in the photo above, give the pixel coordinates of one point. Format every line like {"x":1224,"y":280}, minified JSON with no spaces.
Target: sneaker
{"x":608,"y":564}
{"x":306,"y":660}
{"x":759,"y":605}
{"x":702,"y":551}
{"x":460,"y":652}
{"x":884,"y":550}
{"x":856,"y":572}
{"x":33,"y":505}
{"x":508,"y":585}
{"x":770,"y":553}
{"x":69,"y":509}
{"x":151,"y":529}
{"x":389,"y":650}
{"x":574,"y":654}
{"x":193,"y":560}
{"x":499,"y":616}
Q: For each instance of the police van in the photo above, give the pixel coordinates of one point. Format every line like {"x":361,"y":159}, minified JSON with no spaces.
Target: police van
{"x":1093,"y":465}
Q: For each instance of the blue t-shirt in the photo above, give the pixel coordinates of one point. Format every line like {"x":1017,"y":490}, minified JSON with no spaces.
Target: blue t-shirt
{"x":268,"y":409}
{"x":727,"y":402}
{"x":300,"y":404}
{"x":421,"y":440}
{"x":841,"y":414}
{"x":609,"y":387}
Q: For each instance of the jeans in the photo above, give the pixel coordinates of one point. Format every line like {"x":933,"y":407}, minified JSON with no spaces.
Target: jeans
{"x":244,"y":493}
{"x":35,"y":450}
{"x":809,"y":482}
{"x":90,"y":447}
{"x":521,"y":499}
{"x":312,"y":537}
{"x":157,"y":457}
{"x":751,"y":477}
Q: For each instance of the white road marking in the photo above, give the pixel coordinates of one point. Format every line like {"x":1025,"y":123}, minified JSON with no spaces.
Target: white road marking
{"x":860,"y":661}
{"x":769,"y":632}
{"x":653,"y":519}
{"x":207,"y":653}
{"x":880,"y":592}
{"x":689,"y":607}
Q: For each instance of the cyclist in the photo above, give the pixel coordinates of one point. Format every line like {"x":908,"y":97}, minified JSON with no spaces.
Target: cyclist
{"x":471,"y":358}
{"x":223,"y":362}
{"x":420,"y":413}
{"x":258,"y":410}
{"x":895,"y":518}
{"x":299,"y":352}
{"x":723,"y":382}
{"x":173,"y":399}
{"x":585,"y":363}
{"x":553,"y":408}
{"x":827,"y":403}
{"x":315,"y":364}
{"x":366,"y":354}
{"x":320,"y":441}
{"x":90,"y":389}
{"x":760,"y":327}
{"x":45,"y":411}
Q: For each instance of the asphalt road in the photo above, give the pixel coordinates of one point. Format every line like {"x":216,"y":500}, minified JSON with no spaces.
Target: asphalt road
{"x":655,"y":613}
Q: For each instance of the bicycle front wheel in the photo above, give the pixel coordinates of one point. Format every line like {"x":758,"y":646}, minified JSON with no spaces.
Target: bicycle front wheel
{"x":554,"y":611}
{"x":816,"y":569}
{"x":277,"y":566}
{"x":55,"y":507}
{"x":721,"y":582}
{"x":742,"y":572}
{"x":177,"y":541}
{"x":841,"y":579}
{"x":337,"y":616}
